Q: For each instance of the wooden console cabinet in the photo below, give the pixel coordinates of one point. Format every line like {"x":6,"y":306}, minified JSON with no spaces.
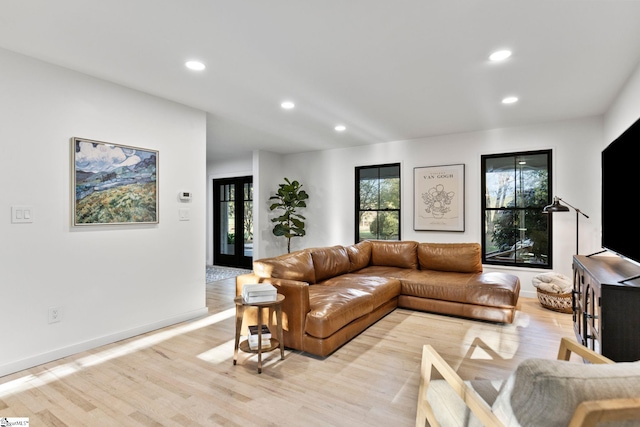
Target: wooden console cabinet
{"x":606,"y":313}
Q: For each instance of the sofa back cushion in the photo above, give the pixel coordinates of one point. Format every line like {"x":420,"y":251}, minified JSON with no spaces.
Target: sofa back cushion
{"x":329,"y":262}
{"x":457,"y":257}
{"x":402,"y":254}
{"x":545,"y":393}
{"x":294,"y":266}
{"x":359,"y":255}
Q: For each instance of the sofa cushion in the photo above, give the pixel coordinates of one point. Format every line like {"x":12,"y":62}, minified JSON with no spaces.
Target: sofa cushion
{"x":333,"y":308}
{"x":494,"y":289}
{"x":458,"y":257}
{"x":329,"y":262}
{"x":401,"y":254}
{"x":385,"y":271}
{"x":439,"y":285}
{"x":359,"y":255}
{"x":382,"y":289}
{"x":294,"y":266}
{"x":545,"y":393}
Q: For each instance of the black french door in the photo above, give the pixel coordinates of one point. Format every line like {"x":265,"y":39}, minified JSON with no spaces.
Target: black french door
{"x":233,"y":222}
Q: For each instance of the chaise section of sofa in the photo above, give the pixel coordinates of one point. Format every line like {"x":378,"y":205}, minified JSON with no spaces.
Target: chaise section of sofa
{"x":334,"y":293}
{"x":451,"y":281}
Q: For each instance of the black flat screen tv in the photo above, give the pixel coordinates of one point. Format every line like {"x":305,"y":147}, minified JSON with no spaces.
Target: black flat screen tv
{"x":620,"y":179}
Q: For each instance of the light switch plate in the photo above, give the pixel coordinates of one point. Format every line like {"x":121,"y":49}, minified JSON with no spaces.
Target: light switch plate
{"x":22,"y":214}
{"x":184,"y":214}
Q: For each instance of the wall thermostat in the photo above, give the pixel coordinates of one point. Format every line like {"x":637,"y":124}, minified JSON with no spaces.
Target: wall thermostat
{"x":185,"y":195}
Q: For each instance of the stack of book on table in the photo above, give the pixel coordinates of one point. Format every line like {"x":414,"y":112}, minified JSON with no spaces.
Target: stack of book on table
{"x":259,"y":292}
{"x":253,"y":337}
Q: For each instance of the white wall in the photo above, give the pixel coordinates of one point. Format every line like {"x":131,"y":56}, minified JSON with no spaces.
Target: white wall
{"x":329,"y":178}
{"x":625,"y":110}
{"x":111,"y":282}
{"x":269,"y":172}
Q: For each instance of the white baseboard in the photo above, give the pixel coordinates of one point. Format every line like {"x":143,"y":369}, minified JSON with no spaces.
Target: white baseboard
{"x":528,"y":294}
{"x":59,"y":353}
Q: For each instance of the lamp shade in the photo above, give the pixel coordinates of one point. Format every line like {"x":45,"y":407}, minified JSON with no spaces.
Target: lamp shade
{"x":555,"y":206}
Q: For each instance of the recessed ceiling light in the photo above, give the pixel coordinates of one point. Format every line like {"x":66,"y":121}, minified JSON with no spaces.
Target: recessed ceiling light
{"x":340,"y":128}
{"x":288,"y":105}
{"x":195,"y":65}
{"x":510,"y":100}
{"x":500,"y":55}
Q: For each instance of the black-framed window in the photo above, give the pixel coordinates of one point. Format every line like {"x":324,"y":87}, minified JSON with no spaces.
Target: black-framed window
{"x":516,"y":188}
{"x":378,"y":202}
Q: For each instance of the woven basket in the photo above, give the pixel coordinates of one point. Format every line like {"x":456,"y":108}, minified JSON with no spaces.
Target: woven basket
{"x":555,"y":302}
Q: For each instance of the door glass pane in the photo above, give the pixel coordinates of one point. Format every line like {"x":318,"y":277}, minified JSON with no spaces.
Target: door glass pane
{"x":227,"y":219}
{"x":248,"y":220}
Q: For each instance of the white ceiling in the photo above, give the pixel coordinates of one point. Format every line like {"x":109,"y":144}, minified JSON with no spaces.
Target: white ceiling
{"x":387,"y":69}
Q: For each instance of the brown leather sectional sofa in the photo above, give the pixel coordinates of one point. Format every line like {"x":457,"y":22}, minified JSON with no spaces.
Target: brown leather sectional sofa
{"x":334,"y":293}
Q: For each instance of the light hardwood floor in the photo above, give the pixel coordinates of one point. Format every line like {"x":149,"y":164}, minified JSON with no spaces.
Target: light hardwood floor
{"x":183,"y":375}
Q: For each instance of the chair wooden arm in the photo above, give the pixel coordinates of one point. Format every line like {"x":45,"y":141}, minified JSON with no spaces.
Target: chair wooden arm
{"x":590,"y":413}
{"x":587,"y":414}
{"x":568,"y":346}
{"x":431,"y":358}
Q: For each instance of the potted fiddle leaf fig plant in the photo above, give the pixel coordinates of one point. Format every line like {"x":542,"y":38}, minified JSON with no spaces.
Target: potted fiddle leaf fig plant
{"x":289,"y":198}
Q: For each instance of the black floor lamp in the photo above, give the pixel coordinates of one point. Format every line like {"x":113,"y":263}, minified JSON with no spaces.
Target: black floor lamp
{"x":557,"y":207}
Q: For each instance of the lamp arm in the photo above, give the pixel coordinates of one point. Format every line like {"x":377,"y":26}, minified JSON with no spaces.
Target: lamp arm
{"x":574,"y":208}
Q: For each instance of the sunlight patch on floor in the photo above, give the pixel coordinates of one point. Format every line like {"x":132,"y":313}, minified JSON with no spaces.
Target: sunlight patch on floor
{"x":155,"y":338}
{"x":57,"y":372}
{"x":219,"y":354}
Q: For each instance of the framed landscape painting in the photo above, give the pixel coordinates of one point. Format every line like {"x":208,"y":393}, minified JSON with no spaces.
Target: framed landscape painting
{"x":438,"y":198}
{"x":113,"y":184}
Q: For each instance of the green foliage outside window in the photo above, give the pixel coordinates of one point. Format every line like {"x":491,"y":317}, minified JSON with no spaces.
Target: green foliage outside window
{"x":385,"y":226}
{"x":516,"y":188}
{"x":378,"y":202}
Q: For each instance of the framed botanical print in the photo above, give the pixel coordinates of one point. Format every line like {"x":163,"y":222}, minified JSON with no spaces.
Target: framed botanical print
{"x":438,"y":198}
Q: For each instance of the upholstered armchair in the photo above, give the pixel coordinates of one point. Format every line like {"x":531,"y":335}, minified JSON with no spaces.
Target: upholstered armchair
{"x":540,"y":392}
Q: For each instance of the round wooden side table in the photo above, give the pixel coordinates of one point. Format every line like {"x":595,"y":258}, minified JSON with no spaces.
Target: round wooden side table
{"x":272,"y":306}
